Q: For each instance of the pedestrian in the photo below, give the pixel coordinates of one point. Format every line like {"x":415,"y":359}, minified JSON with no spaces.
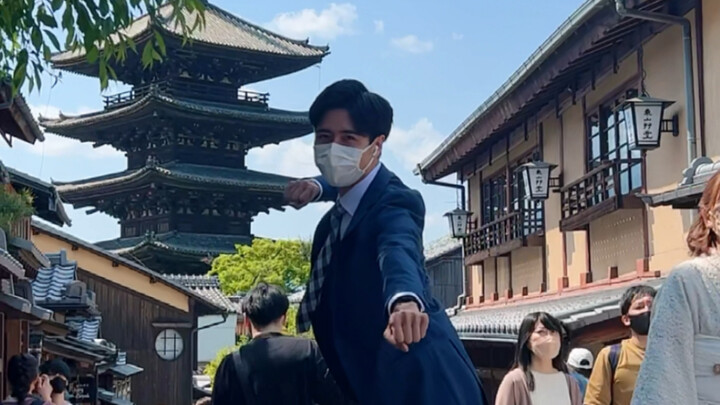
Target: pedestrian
{"x":24,"y":380}
{"x":539,"y":375}
{"x":273,"y":368}
{"x":58,"y":373}
{"x":580,"y":364}
{"x":385,"y":338}
{"x":616,"y":368}
{"x":682,"y":361}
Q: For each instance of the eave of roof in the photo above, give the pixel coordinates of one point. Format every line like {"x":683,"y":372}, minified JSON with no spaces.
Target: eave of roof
{"x":17,"y":109}
{"x":200,"y":108}
{"x":59,"y":216}
{"x":51,"y":230}
{"x":218,"y":31}
{"x":575,"y":310}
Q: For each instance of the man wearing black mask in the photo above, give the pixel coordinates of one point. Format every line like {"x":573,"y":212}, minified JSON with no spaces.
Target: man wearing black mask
{"x":58,"y":373}
{"x":612,"y":381}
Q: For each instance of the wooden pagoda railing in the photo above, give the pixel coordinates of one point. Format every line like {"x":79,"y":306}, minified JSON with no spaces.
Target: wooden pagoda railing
{"x":502,"y":235}
{"x":594,"y":195}
{"x":189,"y":90}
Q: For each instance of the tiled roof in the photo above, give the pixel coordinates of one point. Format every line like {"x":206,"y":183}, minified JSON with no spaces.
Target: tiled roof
{"x":199,"y":108}
{"x":15,"y":115}
{"x":688,"y":192}
{"x":192,"y":243}
{"x":207,"y":287}
{"x":501,"y":322}
{"x":46,"y":200}
{"x":441,"y":247}
{"x":221,"y":28}
{"x":50,"y":283}
{"x":191,"y":173}
{"x":49,"y":229}
{"x":88,"y":329}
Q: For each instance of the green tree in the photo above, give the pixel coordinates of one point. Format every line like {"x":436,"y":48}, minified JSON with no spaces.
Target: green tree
{"x":29,"y":31}
{"x":211,"y":368}
{"x":281,"y":262}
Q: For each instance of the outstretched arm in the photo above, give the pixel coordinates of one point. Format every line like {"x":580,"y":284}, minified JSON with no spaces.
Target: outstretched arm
{"x":300,"y":193}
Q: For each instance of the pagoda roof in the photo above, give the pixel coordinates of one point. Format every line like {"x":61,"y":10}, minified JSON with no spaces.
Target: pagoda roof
{"x":222,"y":30}
{"x":195,"y":244}
{"x":183,"y":174}
{"x":86,"y":127}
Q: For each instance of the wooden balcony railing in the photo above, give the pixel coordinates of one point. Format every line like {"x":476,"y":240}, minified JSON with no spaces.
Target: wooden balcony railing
{"x":504,"y":234}
{"x":21,"y":229}
{"x":594,"y":195}
{"x":190,"y":90}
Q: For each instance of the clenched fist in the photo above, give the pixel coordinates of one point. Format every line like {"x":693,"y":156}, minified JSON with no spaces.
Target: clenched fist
{"x":406,"y":325}
{"x":299,"y":193}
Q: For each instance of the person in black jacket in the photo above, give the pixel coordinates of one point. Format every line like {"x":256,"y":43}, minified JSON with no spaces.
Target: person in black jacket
{"x":273,"y":368}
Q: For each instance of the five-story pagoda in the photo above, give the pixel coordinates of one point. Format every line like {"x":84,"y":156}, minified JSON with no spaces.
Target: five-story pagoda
{"x":185,"y":128}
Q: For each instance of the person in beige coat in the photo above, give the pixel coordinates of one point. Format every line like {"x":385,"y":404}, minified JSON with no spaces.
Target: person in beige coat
{"x":539,"y":375}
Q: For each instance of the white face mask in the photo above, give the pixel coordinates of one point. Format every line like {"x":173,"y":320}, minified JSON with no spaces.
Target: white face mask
{"x":340,"y":165}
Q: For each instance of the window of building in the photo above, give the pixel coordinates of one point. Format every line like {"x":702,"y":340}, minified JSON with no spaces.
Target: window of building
{"x":531,"y":210}
{"x":608,"y":141}
{"x":494,"y":198}
{"x":169,"y":344}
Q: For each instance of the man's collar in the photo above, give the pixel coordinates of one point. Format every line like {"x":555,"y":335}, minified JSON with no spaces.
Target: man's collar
{"x":351,"y":200}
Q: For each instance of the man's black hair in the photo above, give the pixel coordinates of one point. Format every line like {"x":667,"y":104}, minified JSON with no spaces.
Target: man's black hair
{"x":265,"y":304}
{"x":56,"y":367}
{"x":371,"y":114}
{"x":632,"y":293}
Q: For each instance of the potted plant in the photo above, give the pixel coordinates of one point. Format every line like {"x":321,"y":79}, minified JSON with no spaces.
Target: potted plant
{"x":14,"y":206}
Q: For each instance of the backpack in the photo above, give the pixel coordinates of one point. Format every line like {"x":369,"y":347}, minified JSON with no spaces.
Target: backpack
{"x":613,"y":358}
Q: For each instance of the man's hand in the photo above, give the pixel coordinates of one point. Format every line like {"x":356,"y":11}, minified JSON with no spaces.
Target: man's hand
{"x":406,"y":325}
{"x":299,"y":193}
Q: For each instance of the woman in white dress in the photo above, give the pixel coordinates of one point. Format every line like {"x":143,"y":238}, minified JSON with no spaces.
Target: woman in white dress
{"x":539,"y":376}
{"x":682,"y":359}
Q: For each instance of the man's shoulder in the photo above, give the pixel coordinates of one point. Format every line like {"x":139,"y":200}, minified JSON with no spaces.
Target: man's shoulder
{"x":398,"y":194}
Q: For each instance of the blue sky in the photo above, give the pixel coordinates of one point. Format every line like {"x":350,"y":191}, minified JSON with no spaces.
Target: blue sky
{"x":434,"y":61}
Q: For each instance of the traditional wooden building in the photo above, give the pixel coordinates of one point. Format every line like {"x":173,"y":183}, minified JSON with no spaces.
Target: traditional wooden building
{"x":16,"y":120}
{"x":443,"y":263}
{"x":186,"y":126}
{"x":579,"y":104}
{"x":152,"y":319}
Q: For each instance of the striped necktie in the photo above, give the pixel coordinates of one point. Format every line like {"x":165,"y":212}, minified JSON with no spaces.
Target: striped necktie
{"x":322,"y":264}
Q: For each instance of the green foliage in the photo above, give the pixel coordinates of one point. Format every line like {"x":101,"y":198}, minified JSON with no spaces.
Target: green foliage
{"x":29,"y":32}
{"x":14,"y":206}
{"x":282,"y":262}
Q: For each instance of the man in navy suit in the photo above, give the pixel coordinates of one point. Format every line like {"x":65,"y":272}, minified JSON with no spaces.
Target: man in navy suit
{"x":384,"y":337}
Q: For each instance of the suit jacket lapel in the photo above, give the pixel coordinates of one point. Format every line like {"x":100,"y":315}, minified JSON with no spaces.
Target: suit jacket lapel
{"x":371,"y":196}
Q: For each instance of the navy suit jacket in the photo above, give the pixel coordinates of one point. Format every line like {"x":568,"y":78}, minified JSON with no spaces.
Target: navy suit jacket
{"x":380,"y":255}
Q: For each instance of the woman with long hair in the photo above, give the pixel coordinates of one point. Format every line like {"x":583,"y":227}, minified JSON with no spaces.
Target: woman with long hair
{"x":24,"y":380}
{"x":539,"y":375}
{"x":682,"y":358}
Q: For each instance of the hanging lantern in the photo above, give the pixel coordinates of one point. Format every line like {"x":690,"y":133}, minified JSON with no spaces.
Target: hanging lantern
{"x":536,"y":179}
{"x":458,"y":221}
{"x":644,"y":121}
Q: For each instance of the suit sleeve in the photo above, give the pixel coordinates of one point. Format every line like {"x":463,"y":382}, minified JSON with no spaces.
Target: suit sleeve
{"x":598,"y":391}
{"x":226,"y":388}
{"x":667,"y":372}
{"x":325,"y":390}
{"x":400,"y":222}
{"x":328,"y":193}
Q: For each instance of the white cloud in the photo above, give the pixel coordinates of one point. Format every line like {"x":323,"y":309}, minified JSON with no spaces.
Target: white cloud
{"x":293,"y":158}
{"x":55,"y":145}
{"x":336,"y":20}
{"x":412,"y":145}
{"x":412,"y":44}
{"x":457,"y":37}
{"x":379,"y":26}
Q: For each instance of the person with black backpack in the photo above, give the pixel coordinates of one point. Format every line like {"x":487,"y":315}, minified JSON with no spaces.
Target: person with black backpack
{"x":24,"y":378}
{"x":616,"y":369}
{"x":273,"y":368}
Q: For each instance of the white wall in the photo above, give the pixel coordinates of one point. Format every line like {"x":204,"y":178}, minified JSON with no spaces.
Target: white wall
{"x":212,"y":340}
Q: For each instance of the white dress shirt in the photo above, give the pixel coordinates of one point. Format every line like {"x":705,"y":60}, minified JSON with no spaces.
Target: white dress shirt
{"x":350,"y":202}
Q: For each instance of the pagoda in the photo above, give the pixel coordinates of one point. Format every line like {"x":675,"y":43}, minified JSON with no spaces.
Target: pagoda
{"x":186,"y":126}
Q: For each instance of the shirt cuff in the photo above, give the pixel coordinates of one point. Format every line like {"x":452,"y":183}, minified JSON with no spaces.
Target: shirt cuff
{"x":317,"y":183}
{"x":402,"y":295}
